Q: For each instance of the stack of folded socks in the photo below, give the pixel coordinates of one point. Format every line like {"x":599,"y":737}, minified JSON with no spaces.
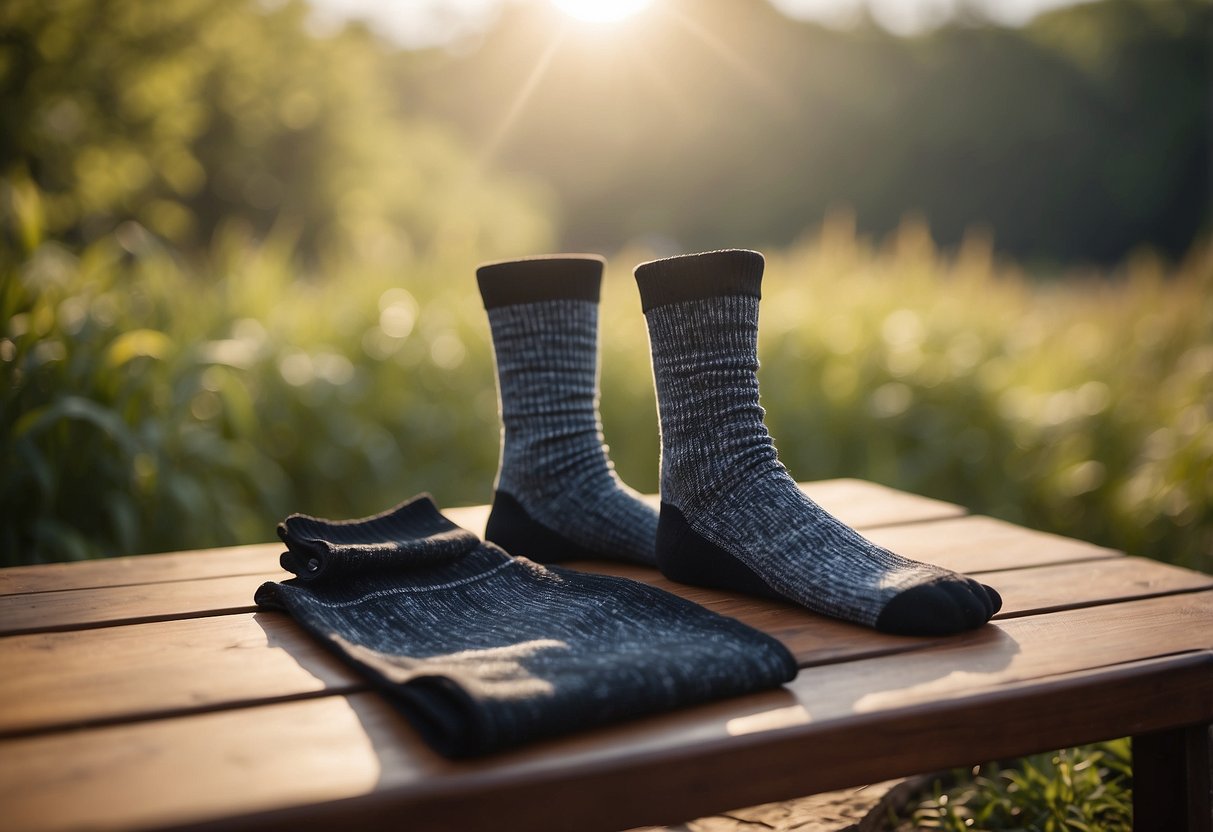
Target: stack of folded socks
{"x":483,"y":651}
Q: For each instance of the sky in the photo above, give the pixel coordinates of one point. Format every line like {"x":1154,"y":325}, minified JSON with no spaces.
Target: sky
{"x":424,"y":23}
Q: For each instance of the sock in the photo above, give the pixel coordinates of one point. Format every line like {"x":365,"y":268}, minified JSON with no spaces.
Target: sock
{"x":483,"y":651}
{"x":557,"y":495}
{"x":731,"y":516}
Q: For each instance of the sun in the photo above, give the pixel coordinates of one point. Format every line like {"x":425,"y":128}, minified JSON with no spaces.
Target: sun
{"x":600,"y":11}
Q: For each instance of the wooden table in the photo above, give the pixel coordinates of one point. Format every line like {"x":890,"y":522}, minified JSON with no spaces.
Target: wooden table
{"x":149,"y":692}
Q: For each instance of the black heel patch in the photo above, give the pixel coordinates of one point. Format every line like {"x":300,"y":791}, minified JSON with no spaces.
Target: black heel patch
{"x":685,"y":556}
{"x":512,"y":528}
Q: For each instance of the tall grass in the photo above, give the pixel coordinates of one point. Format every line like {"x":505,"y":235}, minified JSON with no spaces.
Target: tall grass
{"x":153,"y":402}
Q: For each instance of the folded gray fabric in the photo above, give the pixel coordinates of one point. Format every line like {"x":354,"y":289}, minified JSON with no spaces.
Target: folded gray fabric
{"x":483,"y":651}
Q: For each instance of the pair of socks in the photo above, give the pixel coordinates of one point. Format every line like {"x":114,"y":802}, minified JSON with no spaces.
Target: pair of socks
{"x":731,"y":517}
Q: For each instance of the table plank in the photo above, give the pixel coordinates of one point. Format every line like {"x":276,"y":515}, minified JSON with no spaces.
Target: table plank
{"x":976,"y":544}
{"x":202,"y":718}
{"x":141,"y":569}
{"x":860,"y":503}
{"x":148,"y":670}
{"x":200,"y":664}
{"x":624,"y":792}
{"x":1050,"y":588}
{"x":993,"y":542}
{"x":967,"y":696}
{"x":74,"y":609}
{"x":866,"y":505}
{"x":971,"y":544}
{"x":138,"y":669}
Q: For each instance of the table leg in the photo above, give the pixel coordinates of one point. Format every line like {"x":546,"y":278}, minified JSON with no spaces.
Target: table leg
{"x":1172,"y":781}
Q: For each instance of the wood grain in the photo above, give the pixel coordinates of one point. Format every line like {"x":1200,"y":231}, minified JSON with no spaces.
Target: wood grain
{"x":139,"y":603}
{"x":147,"y":670}
{"x":866,"y":505}
{"x":75,"y":609}
{"x":141,"y":569}
{"x":190,"y":584}
{"x":970,"y":544}
{"x":860,"y":503}
{"x":203,"y":716}
{"x":979,"y":544}
{"x":1069,"y":585}
{"x":204,"y":663}
{"x":138,"y":670}
{"x":1023,"y":685}
{"x":813,"y":639}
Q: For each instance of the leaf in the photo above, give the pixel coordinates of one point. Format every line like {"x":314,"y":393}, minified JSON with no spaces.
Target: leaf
{"x":35,"y":468}
{"x":80,"y":409}
{"x":137,"y":343}
{"x":59,"y":541}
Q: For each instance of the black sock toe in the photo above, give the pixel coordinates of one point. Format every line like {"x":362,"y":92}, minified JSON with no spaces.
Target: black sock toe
{"x":971,"y":600}
{"x":924,"y":610}
{"x":995,"y":599}
{"x":938,"y":609}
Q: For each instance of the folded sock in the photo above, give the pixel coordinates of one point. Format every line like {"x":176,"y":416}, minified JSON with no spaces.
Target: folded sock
{"x":557,"y":494}
{"x":483,"y":651}
{"x":731,"y":516}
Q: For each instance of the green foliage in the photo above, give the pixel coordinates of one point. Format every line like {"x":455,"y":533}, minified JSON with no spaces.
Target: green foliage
{"x":1081,"y":407}
{"x":148,"y":402}
{"x":186,"y":115}
{"x":1085,"y":789}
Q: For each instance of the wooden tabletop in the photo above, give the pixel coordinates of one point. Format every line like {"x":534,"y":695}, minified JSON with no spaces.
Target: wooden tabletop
{"x":149,"y":692}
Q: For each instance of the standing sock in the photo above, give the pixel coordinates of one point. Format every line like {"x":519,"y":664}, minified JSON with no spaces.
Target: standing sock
{"x":557,"y":496}
{"x":731,"y":516}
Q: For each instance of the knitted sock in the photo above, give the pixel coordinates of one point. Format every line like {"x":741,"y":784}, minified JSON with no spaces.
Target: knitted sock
{"x":483,"y":651}
{"x":731,"y":516}
{"x":557,"y":496}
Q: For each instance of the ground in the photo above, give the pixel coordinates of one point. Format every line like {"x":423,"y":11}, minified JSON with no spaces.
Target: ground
{"x":862,"y":809}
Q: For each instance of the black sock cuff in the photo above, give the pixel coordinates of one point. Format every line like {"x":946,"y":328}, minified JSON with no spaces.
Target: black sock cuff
{"x":734,"y":271}
{"x":414,"y":533}
{"x":553,"y":277}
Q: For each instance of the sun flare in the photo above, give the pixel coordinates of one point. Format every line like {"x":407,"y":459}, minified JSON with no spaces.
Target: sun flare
{"x":600,"y":11}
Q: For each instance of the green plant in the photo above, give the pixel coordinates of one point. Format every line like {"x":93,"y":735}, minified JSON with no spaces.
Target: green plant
{"x":150,"y":401}
{"x":1085,"y":789}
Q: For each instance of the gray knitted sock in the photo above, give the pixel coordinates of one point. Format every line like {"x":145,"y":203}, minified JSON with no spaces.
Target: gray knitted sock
{"x":731,"y":516}
{"x":558,"y":496}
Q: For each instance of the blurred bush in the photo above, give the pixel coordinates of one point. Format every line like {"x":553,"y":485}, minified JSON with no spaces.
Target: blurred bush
{"x":1083,"y":407}
{"x":149,"y":404}
{"x":146,"y":404}
{"x":187,"y":115}
{"x":168,"y":173}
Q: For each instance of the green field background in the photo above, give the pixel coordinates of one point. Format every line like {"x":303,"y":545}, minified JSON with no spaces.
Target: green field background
{"x":151,"y":404}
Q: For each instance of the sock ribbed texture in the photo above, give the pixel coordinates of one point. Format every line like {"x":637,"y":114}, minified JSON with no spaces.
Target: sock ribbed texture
{"x":731,"y":516}
{"x":482,"y":651}
{"x":557,"y":493}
